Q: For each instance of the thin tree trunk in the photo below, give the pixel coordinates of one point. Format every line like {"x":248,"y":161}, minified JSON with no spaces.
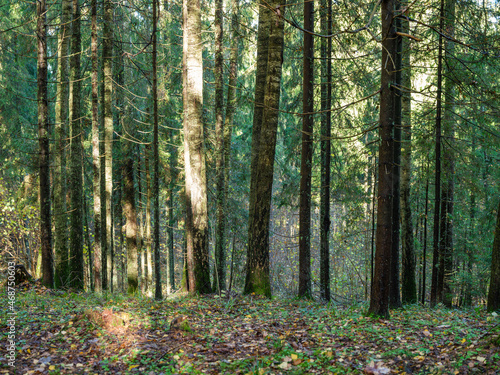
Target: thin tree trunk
{"x":379,"y":301}
{"x":96,"y":162}
{"x":408,"y":285}
{"x":394,"y":294}
{"x":156,"y":157}
{"x":435,"y":289}
{"x":76,"y":180}
{"x":220,"y":256}
{"x":129,"y":210}
{"x":43,"y":142}
{"x":61,"y":127}
{"x":446,"y":244}
{"x":326,"y":103}
{"x":194,"y":155}
{"x":424,"y":252}
{"x":257,"y":274}
{"x":149,"y":255}
{"x":306,"y":155}
{"x":494,"y":291}
{"x":107,"y":53}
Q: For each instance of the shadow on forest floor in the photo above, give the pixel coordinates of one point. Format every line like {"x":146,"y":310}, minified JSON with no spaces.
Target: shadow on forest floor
{"x":61,"y":333}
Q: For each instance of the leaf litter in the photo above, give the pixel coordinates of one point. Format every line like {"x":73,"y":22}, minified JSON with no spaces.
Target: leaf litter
{"x":73,"y":333}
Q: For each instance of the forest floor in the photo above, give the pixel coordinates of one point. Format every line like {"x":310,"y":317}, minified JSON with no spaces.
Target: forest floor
{"x":68,"y":333}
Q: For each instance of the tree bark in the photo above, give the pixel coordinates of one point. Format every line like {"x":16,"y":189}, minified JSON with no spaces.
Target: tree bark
{"x":61,"y":127}
{"x":76,"y":178}
{"x":257,"y":275}
{"x":494,"y":292}
{"x":96,"y":162}
{"x":220,"y":256}
{"x":408,"y":284}
{"x":156,"y":175}
{"x":379,"y":301}
{"x":107,"y":54}
{"x":326,"y":103}
{"x":43,"y":144}
{"x":194,"y":155}
{"x":306,"y":155}
{"x":435,"y":288}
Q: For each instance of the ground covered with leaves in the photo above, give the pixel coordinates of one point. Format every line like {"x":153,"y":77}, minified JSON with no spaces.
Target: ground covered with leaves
{"x":65,"y":333}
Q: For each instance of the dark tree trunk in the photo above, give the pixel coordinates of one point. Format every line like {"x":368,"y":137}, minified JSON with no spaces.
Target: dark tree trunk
{"x":306,"y":155}
{"x":408,"y":284}
{"x":424,"y":251}
{"x":494,"y":292}
{"x":257,"y":275}
{"x":394,"y":295}
{"x":131,"y":232}
{"x":379,"y":301}
{"x":76,"y":180}
{"x":61,"y":128}
{"x":220,"y":256}
{"x":326,"y":103}
{"x":156,"y":157}
{"x":43,"y":142}
{"x":435,"y":287}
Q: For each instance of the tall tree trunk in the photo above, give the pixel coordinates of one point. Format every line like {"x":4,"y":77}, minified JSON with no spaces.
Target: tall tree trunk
{"x":194,"y":155}
{"x":379,"y":301}
{"x":424,"y":251}
{"x":156,"y":157}
{"x":494,"y":292}
{"x":326,"y":103}
{"x":76,"y":178}
{"x":61,"y":127}
{"x":446,"y":238}
{"x":257,"y":274}
{"x":306,"y":155}
{"x":43,"y":143}
{"x":408,"y":284}
{"x":107,"y":54}
{"x":96,"y":162}
{"x":220,"y":256}
{"x":435,"y":289}
{"x":394,"y":295}
{"x":172,"y":175}
{"x":265,"y":19}
{"x":149,"y":255}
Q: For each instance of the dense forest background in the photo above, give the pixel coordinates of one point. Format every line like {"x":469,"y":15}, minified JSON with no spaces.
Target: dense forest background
{"x":118,"y":115}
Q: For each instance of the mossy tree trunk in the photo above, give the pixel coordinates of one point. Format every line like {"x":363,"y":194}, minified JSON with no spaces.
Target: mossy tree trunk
{"x":257,"y":275}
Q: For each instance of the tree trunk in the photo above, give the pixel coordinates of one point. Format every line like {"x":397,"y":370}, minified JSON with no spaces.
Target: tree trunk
{"x":149,"y":255}
{"x":435,"y":288}
{"x":306,"y":155}
{"x":494,"y":292}
{"x":96,"y":162}
{"x":131,"y":232}
{"x":43,"y":143}
{"x":446,"y":238}
{"x":379,"y":301}
{"x":61,"y":127}
{"x":220,"y":256}
{"x":156,"y":174}
{"x":394,"y":295}
{"x":194,"y":155}
{"x":76,"y":180}
{"x":107,"y":54}
{"x":424,"y":251}
{"x":408,"y":285}
{"x":265,"y":18}
{"x":257,"y":274}
{"x":326,"y":104}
